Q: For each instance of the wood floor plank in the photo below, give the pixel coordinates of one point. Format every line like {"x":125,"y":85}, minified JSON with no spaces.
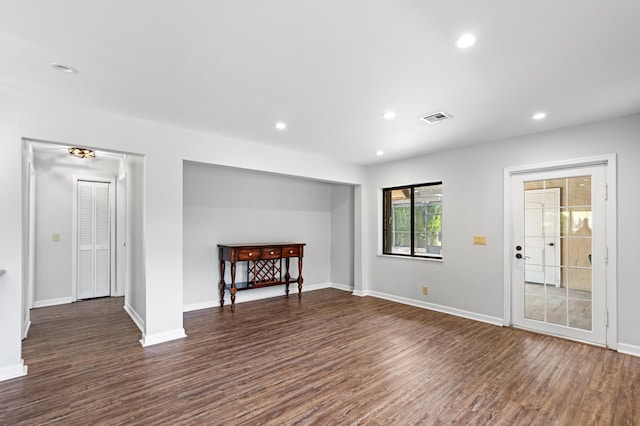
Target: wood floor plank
{"x":332,"y":358}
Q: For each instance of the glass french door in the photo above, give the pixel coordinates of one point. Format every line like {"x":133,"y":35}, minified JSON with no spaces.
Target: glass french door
{"x":559,"y":252}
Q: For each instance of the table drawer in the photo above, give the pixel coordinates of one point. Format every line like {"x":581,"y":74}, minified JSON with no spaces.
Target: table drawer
{"x":291,"y":251}
{"x":248,"y":254}
{"x":271,"y":253}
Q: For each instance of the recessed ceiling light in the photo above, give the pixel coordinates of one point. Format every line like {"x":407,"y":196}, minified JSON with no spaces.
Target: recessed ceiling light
{"x":465,"y":40}
{"x":281,"y":125}
{"x":379,"y":153}
{"x":64,"y":68}
{"x":389,"y":115}
{"x":539,"y":115}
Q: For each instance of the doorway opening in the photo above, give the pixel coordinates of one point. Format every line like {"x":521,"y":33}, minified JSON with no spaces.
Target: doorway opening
{"x":53,"y":244}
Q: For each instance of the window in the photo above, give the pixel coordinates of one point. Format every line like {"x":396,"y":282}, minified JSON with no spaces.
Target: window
{"x":412,"y":220}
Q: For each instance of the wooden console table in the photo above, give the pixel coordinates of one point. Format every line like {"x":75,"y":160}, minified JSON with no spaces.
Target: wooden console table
{"x":264,"y":266}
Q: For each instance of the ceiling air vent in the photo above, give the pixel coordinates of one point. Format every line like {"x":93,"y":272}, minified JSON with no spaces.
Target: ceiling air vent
{"x":436,"y":117}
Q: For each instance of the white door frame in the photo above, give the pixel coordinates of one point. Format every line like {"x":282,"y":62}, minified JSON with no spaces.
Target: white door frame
{"x":611,"y":233}
{"x":121,"y":284}
{"x":74,"y":233}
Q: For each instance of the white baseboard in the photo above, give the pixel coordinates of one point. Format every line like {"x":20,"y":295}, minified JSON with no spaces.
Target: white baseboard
{"x":625,"y":348}
{"x":133,"y":314}
{"x":13,"y":371}
{"x":360,"y":293}
{"x":439,"y":308}
{"x":25,"y":327}
{"x":166,"y":336}
{"x":342,"y":287}
{"x":254,"y":294}
{"x":52,"y":302}
{"x":153,"y":339}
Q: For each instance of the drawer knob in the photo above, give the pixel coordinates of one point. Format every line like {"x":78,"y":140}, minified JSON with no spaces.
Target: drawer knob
{"x":290,"y":251}
{"x":250,"y":254}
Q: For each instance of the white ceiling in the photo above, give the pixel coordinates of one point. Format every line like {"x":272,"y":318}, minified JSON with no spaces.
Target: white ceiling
{"x":331,"y":68}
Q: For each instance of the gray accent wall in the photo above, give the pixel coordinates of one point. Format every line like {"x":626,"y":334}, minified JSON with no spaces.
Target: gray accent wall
{"x":226,"y":205}
{"x":342,"y":236}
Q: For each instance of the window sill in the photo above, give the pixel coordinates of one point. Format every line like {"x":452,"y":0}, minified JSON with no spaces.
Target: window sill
{"x":418,"y":258}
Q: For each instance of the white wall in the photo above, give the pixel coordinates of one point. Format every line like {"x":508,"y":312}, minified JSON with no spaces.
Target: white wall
{"x":55,"y":171}
{"x":230,"y":205}
{"x":10,"y":240}
{"x":28,"y":235}
{"x":470,"y":277}
{"x":135,"y":301}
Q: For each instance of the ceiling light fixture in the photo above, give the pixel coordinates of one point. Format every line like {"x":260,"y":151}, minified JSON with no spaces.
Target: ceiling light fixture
{"x":64,"y":68}
{"x":281,"y":125}
{"x":465,"y":40}
{"x":82,"y":153}
{"x":389,"y":115}
{"x":539,"y":115}
{"x":379,"y":153}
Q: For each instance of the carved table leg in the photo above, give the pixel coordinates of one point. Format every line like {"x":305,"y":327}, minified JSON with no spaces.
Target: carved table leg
{"x":221,"y":284}
{"x":299,"y":277}
{"x":287,"y":276}
{"x":233,"y":286}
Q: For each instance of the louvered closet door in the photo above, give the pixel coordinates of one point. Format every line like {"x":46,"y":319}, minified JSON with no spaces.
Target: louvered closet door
{"x":93,"y":240}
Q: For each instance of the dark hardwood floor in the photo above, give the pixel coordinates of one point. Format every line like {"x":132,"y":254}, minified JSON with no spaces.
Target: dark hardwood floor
{"x":331,"y":359}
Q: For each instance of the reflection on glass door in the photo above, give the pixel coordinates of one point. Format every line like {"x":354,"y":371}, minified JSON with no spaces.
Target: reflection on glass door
{"x":558,"y":283}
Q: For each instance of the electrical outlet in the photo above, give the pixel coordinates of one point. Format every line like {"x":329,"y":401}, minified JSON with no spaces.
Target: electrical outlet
{"x":425,"y":290}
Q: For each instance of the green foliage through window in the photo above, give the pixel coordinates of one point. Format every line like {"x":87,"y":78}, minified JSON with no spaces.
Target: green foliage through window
{"x":412,"y":222}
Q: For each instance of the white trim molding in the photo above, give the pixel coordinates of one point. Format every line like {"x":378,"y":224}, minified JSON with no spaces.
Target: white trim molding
{"x":137,"y":319}
{"x":625,"y":348}
{"x":112,"y":232}
{"x":52,"y":302}
{"x":439,"y":308}
{"x":166,"y":336}
{"x":25,"y":327}
{"x":257,"y":294}
{"x":342,"y":287}
{"x":13,"y":371}
{"x":361,"y":293}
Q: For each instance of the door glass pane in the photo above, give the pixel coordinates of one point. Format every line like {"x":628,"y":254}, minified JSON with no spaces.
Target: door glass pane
{"x":558,"y":274}
{"x":534,"y":301}
{"x":579,"y":291}
{"x":556,"y":309}
{"x":579,"y":191}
